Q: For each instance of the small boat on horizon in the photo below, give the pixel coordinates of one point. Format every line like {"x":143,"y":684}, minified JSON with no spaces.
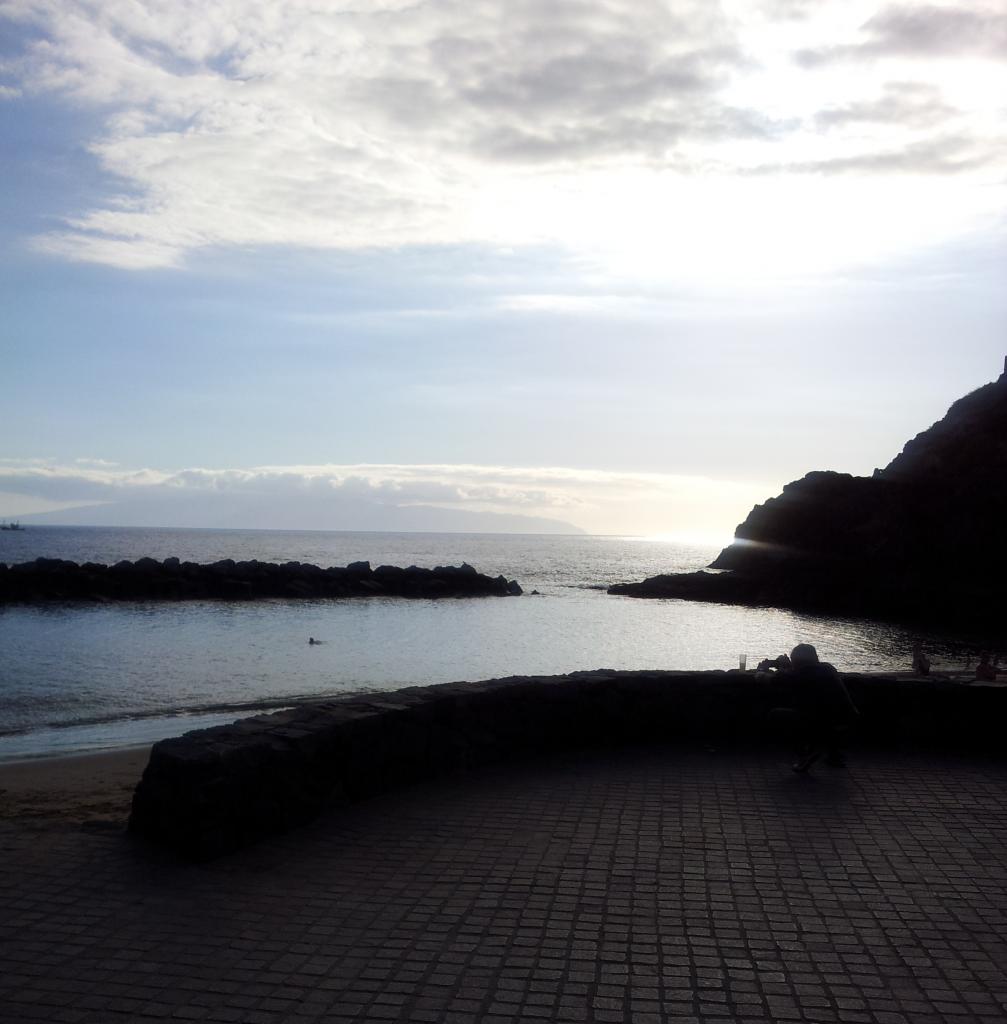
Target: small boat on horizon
{"x":13,"y":525}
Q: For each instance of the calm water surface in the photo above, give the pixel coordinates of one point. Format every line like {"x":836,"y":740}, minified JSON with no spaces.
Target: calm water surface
{"x":79,"y":677}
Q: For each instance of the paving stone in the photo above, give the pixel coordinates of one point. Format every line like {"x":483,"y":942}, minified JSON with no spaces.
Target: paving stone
{"x":639,"y":885}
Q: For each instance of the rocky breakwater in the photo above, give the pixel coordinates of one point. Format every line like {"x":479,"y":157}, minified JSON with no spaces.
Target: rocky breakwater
{"x":53,"y":579}
{"x":215,"y":790}
{"x":919,"y":541}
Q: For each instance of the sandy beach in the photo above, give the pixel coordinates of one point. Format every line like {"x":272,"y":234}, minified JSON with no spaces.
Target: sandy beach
{"x":75,"y":789}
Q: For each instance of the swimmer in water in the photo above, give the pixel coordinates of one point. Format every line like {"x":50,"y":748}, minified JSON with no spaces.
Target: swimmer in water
{"x":312,"y":641}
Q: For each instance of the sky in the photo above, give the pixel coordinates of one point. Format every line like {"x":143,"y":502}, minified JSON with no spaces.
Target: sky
{"x":618,"y":266}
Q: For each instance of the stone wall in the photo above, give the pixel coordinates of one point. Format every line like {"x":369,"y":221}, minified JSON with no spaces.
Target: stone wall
{"x":214,"y":790}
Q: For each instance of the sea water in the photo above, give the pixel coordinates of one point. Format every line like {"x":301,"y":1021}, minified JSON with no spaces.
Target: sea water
{"x":90,"y":676}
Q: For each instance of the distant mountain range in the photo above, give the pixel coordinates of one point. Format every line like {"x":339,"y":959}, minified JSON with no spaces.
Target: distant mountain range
{"x":308,"y":512}
{"x":921,"y":540}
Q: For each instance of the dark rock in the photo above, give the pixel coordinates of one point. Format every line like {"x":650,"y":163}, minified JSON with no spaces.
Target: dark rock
{"x":49,"y":579}
{"x":299,"y":588}
{"x":920,"y":540}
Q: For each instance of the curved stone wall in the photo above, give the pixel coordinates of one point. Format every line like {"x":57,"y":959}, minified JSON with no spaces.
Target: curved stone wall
{"x":214,"y":790}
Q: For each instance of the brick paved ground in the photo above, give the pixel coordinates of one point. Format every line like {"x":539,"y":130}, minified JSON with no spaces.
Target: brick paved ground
{"x":636,"y":886}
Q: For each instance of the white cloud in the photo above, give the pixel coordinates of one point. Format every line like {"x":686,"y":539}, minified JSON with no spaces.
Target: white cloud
{"x":348,"y":125}
{"x":546,"y":302}
{"x":923,"y":30}
{"x":596,"y":501}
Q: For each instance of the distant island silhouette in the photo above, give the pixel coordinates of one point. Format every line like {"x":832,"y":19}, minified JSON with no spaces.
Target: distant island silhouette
{"x":920,"y":541}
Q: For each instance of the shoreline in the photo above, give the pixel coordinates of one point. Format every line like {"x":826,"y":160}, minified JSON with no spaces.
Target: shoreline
{"x":97,"y":786}
{"x":168,"y":726}
{"x":92,"y":787}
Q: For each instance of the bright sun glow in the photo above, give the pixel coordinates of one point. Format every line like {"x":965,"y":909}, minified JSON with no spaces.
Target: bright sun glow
{"x":642,"y":226}
{"x":692,"y":539}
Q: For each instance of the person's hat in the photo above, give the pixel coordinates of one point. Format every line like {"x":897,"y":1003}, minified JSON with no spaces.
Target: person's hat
{"x":804,"y":654}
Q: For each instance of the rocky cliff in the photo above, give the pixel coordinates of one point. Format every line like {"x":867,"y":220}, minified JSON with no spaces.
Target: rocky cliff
{"x":921,"y":540}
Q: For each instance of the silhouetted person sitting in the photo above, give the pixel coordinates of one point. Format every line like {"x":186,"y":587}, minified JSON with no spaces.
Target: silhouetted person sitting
{"x":921,"y":663}
{"x":780,"y":664}
{"x":820,"y":709}
{"x":986,"y":671}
